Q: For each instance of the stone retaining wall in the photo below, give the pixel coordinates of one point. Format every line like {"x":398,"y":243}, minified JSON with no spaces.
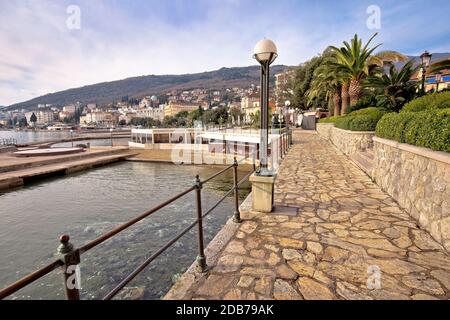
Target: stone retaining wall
{"x":348,"y":142}
{"x":419,"y":180}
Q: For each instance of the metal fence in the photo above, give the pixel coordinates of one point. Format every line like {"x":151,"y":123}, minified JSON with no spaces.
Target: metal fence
{"x":69,"y":257}
{"x":8,"y":142}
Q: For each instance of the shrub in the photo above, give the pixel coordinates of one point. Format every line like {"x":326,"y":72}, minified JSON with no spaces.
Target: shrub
{"x":360,"y":120}
{"x":433,"y":101}
{"x":329,"y":119}
{"x":429,"y":129}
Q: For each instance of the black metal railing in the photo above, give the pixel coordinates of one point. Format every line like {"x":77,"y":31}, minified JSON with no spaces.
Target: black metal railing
{"x":68,"y":257}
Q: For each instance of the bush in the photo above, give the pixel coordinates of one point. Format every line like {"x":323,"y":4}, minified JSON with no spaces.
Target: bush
{"x":429,"y":129}
{"x":329,"y":119}
{"x":360,"y":120}
{"x":433,"y":101}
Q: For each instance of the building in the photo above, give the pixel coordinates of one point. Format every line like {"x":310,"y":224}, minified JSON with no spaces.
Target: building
{"x":70,"y":109}
{"x":153,"y":113}
{"x":100,"y":118}
{"x":176,"y":107}
{"x":250,"y":105}
{"x":42,"y":117}
{"x":282,"y":87}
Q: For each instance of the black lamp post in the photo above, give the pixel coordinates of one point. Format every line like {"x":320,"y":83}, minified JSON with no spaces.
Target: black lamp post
{"x":111,"y":131}
{"x":425,"y":59}
{"x":287,"y":105}
{"x":265,"y":53}
{"x":438,"y":78}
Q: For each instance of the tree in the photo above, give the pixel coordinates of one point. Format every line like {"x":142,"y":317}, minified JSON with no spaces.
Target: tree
{"x":439,"y":66}
{"x":395,"y":88}
{"x":356,"y":62}
{"x":326,"y":84}
{"x":33,"y":119}
{"x":302,"y":82}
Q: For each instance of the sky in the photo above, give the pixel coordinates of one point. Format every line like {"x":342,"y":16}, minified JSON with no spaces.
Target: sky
{"x":52,"y":45}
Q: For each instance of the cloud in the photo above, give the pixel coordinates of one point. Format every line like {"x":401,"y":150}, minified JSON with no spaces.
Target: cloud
{"x":120,"y":39}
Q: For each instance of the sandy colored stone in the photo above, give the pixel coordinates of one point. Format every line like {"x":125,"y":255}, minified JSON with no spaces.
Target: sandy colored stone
{"x":334,"y":254}
{"x":248,"y":226}
{"x":285,"y":272}
{"x":313,"y":290}
{"x":423,"y":283}
{"x":443,"y":277}
{"x":236,"y":247}
{"x":282,"y":290}
{"x":291,"y":243}
{"x":233,"y":294}
{"x":290,"y":254}
{"x":301,"y":268}
{"x":245,"y":281}
{"x":259,"y":254}
{"x":214,"y":285}
{"x":263,"y":285}
{"x":314,"y":247}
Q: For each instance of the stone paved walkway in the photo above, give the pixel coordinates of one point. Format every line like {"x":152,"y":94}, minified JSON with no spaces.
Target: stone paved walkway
{"x":349,"y":240}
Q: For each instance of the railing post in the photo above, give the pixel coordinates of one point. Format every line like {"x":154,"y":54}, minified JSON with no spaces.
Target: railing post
{"x":237,"y":214}
{"x":71,"y":259}
{"x":201,"y":259}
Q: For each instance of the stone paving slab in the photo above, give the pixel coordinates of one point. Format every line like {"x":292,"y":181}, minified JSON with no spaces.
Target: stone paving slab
{"x":350,"y":240}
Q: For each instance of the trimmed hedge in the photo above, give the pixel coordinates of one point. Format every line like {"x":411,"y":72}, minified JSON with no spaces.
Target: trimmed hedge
{"x":360,"y":120}
{"x":329,"y":119}
{"x":429,"y":129}
{"x":433,"y":101}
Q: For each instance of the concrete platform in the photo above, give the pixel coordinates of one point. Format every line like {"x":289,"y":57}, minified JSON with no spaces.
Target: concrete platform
{"x":63,"y":166}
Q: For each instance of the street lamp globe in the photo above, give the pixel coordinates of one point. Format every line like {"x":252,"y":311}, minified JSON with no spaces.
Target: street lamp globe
{"x":287,"y":103}
{"x":425,"y":58}
{"x":265,"y":50}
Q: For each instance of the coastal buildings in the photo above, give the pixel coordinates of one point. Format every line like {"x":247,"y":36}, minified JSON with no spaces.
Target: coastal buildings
{"x":176,"y":107}
{"x":249,"y":106}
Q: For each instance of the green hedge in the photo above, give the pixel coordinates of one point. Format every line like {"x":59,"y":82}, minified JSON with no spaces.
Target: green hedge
{"x":429,"y":129}
{"x":329,"y":119}
{"x":360,"y":120}
{"x":433,"y":101}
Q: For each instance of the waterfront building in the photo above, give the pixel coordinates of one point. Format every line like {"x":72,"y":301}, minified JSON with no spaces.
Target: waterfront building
{"x":99,"y":117}
{"x":250,"y":104}
{"x":175,"y":107}
{"x":153,"y":113}
{"x":42,"y":117}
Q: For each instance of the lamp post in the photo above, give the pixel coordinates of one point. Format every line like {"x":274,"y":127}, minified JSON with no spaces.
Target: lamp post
{"x":425,"y":60}
{"x":265,"y":53}
{"x":111,"y":131}
{"x":287,"y":105}
{"x":71,"y":136}
{"x":438,"y":78}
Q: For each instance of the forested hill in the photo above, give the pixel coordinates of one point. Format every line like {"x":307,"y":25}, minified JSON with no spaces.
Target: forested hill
{"x":137,"y":87}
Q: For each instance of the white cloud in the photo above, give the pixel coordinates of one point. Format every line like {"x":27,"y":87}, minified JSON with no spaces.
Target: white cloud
{"x":40,"y":55}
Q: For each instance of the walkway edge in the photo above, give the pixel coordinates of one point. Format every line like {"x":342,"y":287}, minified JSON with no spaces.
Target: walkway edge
{"x":186,"y":285}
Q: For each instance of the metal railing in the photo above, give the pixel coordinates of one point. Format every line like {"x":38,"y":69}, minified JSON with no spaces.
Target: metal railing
{"x":69,"y":257}
{"x":8,"y":142}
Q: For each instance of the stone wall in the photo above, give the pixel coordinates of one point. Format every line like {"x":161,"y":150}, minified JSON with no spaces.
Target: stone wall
{"x":348,"y":142}
{"x":419,"y":180}
{"x":324,"y":129}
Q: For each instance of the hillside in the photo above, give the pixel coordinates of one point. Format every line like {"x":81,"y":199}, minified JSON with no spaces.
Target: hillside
{"x":136,"y":87}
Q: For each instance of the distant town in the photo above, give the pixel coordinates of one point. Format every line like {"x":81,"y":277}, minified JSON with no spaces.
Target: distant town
{"x":176,"y":108}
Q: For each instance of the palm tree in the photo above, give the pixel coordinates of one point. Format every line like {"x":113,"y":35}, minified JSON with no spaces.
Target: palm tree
{"x":394,"y":88}
{"x":439,"y":66}
{"x":356,"y":62}
{"x":326,"y":82}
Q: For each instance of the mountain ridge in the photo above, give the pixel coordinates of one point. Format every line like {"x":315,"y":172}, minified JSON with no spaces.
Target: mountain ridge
{"x":139,"y":86}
